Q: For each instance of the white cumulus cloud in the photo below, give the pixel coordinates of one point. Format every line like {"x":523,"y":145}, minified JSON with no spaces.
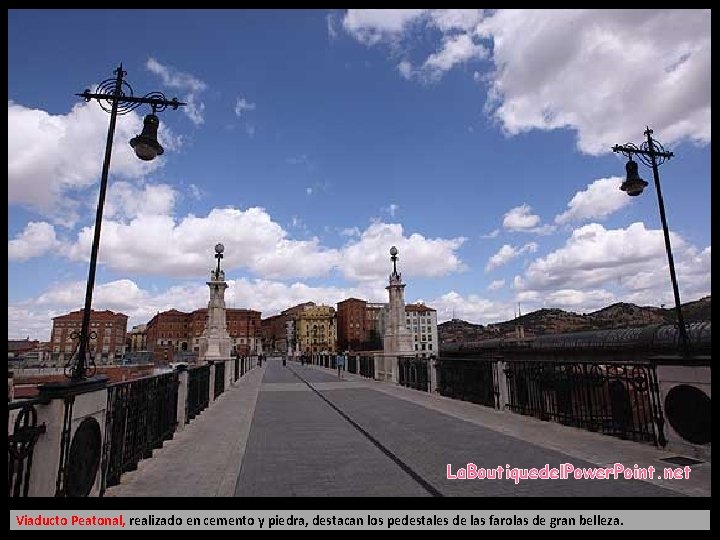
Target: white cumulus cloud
{"x":370,"y":26}
{"x":604,"y":73}
{"x":45,"y":163}
{"x":597,"y":266}
{"x":507,"y":253}
{"x":601,"y":198}
{"x":520,"y":219}
{"x":35,"y":240}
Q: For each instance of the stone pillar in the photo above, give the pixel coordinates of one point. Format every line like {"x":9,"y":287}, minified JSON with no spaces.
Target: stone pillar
{"x":502,"y":384}
{"x":394,"y":371}
{"x":229,"y":367}
{"x":182,"y":397}
{"x":686,"y":386}
{"x":397,"y":339}
{"x":215,"y":342}
{"x":85,"y":432}
{"x":432,"y":367}
{"x":211,"y":391}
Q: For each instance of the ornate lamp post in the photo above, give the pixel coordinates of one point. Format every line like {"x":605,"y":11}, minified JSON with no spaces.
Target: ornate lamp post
{"x":394,"y":258}
{"x":652,"y":154}
{"x":115,"y":96}
{"x":219,"y":249}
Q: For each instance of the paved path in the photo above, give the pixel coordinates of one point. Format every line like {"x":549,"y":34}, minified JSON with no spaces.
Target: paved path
{"x":298,"y":431}
{"x":202,"y":460}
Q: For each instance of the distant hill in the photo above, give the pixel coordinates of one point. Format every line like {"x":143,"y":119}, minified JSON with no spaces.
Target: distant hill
{"x":554,"y":320}
{"x":699,"y":310}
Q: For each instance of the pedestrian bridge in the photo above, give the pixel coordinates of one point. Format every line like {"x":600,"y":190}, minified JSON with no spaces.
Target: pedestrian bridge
{"x":286,"y":429}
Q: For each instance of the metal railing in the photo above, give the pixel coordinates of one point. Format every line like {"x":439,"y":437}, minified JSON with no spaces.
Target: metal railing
{"x":141,"y":415}
{"x":198,"y":393}
{"x":621,"y":400}
{"x":474,"y":380}
{"x":367,"y":366}
{"x":22,"y":416}
{"x":413,"y":373}
{"x":236,"y":373}
{"x":219,"y":379}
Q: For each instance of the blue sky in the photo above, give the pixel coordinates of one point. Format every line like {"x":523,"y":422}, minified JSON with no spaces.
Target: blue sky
{"x":477,"y":142}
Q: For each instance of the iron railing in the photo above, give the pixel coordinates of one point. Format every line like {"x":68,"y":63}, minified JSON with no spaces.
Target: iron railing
{"x":22,"y":417}
{"x":198,"y":395}
{"x":622,"y":400}
{"x":474,"y":380}
{"x":219,"y":379}
{"x":141,"y":415}
{"x":413,"y":373}
{"x":236,"y":373}
{"x":367,"y":366}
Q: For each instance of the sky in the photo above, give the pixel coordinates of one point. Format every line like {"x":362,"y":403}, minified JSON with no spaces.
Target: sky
{"x":476,"y":141}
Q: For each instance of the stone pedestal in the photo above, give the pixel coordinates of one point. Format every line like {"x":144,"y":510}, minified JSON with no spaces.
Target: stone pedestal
{"x":685,"y":398}
{"x":397,"y":339}
{"x":215,"y":342}
{"x":74,"y":415}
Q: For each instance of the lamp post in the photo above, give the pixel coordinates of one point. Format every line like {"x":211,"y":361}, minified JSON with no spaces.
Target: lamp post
{"x":219,"y":249}
{"x":652,"y":154}
{"x":115,"y":96}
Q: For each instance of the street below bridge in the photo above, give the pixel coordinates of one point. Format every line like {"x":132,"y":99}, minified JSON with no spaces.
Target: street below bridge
{"x":299,"y":431}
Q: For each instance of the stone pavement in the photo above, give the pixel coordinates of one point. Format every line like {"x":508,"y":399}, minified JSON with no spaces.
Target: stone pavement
{"x":297,"y":431}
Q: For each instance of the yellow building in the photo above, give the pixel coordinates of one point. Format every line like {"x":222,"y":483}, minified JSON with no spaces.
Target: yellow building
{"x":317,"y":329}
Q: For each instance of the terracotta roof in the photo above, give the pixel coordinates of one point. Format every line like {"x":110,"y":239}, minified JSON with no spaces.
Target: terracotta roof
{"x":417,"y":307}
{"x":94,"y":315}
{"x":352,"y":300}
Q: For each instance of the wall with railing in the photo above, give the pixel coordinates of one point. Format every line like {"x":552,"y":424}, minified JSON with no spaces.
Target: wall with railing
{"x":77,"y":440}
{"x":660,"y":400}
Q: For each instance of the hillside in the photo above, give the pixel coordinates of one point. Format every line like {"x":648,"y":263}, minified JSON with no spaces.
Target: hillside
{"x":554,"y":320}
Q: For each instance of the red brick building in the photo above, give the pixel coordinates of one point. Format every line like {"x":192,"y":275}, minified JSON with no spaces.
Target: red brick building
{"x":359,"y":325}
{"x":279,"y":332}
{"x":107,"y":345}
{"x":274,"y":333}
{"x":173,"y":331}
{"x":351,"y":324}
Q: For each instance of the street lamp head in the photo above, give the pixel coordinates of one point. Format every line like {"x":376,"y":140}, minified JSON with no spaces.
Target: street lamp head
{"x":146,"y":144}
{"x":219,"y":248}
{"x":393,"y":251}
{"x":633,"y":184}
